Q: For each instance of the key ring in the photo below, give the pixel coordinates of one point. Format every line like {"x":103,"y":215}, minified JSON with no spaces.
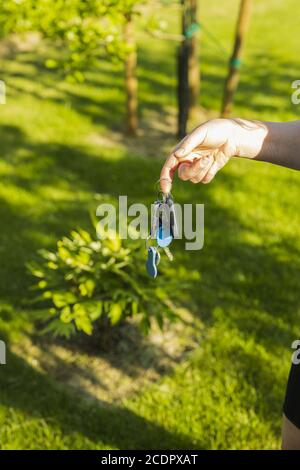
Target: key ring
{"x":148,"y":242}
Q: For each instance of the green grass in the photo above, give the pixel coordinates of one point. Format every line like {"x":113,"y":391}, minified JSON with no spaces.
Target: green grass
{"x":228,"y":392}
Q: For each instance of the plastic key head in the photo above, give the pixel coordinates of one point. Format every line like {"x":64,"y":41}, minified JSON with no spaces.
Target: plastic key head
{"x":155,"y":218}
{"x":164,"y":236}
{"x":164,"y":233}
{"x":152,"y":261}
{"x":173,"y":218}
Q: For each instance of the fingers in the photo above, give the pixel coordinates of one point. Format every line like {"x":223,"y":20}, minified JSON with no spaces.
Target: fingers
{"x":202,"y":170}
{"x":211,"y":173}
{"x":220,"y":160}
{"x":210,"y":135}
{"x":191,"y":141}
{"x":211,"y":138}
{"x":168,"y":170}
{"x":196,"y":171}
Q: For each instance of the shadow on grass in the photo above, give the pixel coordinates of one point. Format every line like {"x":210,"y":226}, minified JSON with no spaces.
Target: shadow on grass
{"x":26,"y":390}
{"x":254,"y":270}
{"x":234,"y":272}
{"x":41,"y":222}
{"x":104,"y":106}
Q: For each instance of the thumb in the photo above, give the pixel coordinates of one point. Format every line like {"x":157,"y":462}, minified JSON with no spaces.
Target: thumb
{"x":191,"y":141}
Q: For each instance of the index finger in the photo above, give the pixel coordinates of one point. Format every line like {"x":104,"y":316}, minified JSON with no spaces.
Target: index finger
{"x":167,"y":173}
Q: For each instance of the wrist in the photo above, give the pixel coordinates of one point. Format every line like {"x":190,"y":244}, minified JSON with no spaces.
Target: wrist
{"x":250,"y":137}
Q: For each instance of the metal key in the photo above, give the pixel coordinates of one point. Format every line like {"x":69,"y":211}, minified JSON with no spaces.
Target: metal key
{"x":152,"y":261}
{"x":173,"y":221}
{"x":155,"y":218}
{"x":164,"y":234}
{"x":168,"y":253}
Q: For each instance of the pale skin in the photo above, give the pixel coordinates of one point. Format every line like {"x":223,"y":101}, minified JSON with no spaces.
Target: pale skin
{"x":207,"y":149}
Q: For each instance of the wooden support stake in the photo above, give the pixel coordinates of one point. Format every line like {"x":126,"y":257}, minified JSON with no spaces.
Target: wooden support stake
{"x":193,"y":62}
{"x":182,"y":89}
{"x":131,"y":84}
{"x":188,"y":66}
{"x":232,"y":79}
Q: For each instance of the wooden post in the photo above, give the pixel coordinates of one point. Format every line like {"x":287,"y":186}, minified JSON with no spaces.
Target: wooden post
{"x":188,"y":67}
{"x":193,"y":62}
{"x":232,"y":79}
{"x":182,"y":89}
{"x":130,"y":77}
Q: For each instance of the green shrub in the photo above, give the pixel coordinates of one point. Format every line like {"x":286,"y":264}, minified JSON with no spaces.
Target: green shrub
{"x":86,"y":280}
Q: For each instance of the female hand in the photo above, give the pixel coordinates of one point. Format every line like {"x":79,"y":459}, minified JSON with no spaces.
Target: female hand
{"x":203,"y":152}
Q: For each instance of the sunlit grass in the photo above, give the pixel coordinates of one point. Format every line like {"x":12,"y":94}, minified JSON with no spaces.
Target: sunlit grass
{"x":228,"y":392}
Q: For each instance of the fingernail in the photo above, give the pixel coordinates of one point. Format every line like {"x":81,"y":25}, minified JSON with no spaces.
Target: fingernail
{"x":204,"y":161}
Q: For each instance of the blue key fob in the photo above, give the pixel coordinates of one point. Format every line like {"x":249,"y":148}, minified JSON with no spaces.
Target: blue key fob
{"x":164,"y":235}
{"x":152,"y":261}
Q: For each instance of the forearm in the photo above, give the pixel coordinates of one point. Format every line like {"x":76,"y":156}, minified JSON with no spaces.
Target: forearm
{"x":203,"y":152}
{"x":272,"y":142}
{"x":282,"y":144}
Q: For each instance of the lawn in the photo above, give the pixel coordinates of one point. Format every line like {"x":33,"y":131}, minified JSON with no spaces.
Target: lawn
{"x":61,"y":144}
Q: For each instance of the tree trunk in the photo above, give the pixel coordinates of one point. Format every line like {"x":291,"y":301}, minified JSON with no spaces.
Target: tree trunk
{"x":193,"y":63}
{"x":130,"y":77}
{"x":188,"y":66}
{"x":182,"y":90}
{"x":232,"y":80}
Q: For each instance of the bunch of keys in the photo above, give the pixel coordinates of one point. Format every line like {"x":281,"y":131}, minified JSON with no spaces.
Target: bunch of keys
{"x":163,"y":230}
